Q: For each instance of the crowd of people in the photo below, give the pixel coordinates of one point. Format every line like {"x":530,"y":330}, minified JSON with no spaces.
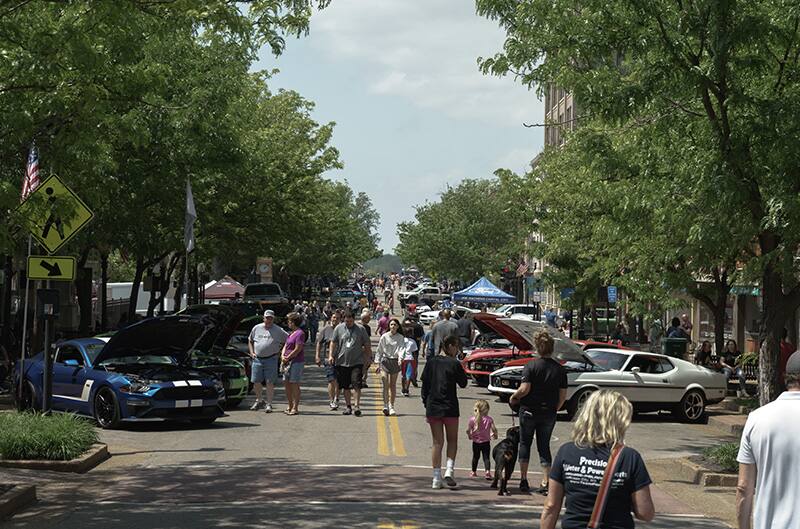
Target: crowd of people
{"x":595,"y":475}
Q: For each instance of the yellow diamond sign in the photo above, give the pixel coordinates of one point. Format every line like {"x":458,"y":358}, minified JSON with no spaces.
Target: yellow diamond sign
{"x":56,"y":214}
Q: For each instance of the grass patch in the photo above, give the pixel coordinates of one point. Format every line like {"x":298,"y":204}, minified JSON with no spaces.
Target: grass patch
{"x":747,"y":402}
{"x":724,"y":455}
{"x":57,"y":437}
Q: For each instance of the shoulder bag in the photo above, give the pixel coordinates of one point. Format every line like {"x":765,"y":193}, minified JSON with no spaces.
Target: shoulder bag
{"x":605,"y":487}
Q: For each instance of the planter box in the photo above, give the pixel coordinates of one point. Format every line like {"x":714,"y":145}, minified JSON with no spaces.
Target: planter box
{"x":16,"y":499}
{"x":699,"y":475}
{"x":93,"y":457}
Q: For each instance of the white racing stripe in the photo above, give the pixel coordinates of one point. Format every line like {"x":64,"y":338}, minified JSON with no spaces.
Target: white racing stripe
{"x":196,"y":403}
{"x":194,"y":383}
{"x":180,"y":383}
{"x":181,"y":403}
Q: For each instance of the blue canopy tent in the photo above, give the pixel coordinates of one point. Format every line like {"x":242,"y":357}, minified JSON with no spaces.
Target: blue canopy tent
{"x":483,"y":291}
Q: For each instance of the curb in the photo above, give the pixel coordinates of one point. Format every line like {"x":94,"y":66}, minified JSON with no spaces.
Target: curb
{"x":725,"y":426}
{"x":699,"y":475}
{"x":16,"y":499}
{"x":93,"y":457}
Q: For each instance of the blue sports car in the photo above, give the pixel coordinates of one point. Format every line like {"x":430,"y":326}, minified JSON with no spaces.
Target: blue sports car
{"x":138,"y":374}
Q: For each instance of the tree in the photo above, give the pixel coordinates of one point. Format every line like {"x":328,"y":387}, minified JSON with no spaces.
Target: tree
{"x":720,"y":76}
{"x":466,"y":234}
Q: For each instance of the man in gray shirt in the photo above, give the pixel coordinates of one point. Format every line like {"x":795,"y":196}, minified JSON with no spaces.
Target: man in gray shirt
{"x":351,"y":345}
{"x":442,"y":329}
{"x":265,"y":343}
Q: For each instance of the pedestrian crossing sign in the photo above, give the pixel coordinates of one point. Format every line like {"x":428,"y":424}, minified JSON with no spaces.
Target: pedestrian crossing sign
{"x":56,"y":214}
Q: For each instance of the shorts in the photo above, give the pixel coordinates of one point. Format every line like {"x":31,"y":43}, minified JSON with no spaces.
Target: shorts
{"x":447,"y":421}
{"x":349,"y":377}
{"x":409,"y":369}
{"x":330,"y":371}
{"x":264,"y":370}
{"x":293,"y":373}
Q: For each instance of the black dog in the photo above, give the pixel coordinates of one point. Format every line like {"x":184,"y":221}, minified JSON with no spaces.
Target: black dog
{"x":505,"y":459}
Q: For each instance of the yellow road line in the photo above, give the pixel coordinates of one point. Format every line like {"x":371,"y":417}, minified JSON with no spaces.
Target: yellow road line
{"x":397,"y":439}
{"x":380,"y":422}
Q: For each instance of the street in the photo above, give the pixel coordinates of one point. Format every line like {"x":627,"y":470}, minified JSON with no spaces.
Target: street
{"x":317,"y":469}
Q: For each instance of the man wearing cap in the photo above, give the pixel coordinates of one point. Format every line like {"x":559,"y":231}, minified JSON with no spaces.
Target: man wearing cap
{"x":265,"y":343}
{"x":769,"y":459}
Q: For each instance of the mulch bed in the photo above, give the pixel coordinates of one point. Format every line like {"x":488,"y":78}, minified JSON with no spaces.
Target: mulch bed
{"x":710,"y":464}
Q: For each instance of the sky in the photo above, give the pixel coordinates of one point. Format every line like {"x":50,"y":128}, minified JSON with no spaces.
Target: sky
{"x":413,"y":113}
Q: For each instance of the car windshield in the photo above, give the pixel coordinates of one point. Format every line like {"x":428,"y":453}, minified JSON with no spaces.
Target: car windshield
{"x":525,"y":310}
{"x":607,"y":359}
{"x":140,"y":359}
{"x":262,"y":290}
{"x":502,"y":308}
{"x":93,"y":350}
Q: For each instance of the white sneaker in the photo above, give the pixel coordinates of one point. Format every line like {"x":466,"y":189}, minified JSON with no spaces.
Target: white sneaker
{"x":437,"y":484}
{"x":391,"y":411}
{"x":256,"y":405}
{"x":448,"y":477}
{"x":268,"y":408}
{"x":333,"y":405}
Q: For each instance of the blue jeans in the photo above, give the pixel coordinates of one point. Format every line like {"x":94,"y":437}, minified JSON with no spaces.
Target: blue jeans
{"x":540,"y":425}
{"x":264,"y":370}
{"x":739,"y":374}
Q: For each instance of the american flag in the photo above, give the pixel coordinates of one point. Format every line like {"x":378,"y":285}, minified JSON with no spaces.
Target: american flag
{"x":31,"y":180}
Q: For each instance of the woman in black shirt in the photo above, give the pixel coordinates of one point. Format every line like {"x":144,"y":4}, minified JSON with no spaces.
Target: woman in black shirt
{"x":579,"y":466}
{"x":439,"y":380}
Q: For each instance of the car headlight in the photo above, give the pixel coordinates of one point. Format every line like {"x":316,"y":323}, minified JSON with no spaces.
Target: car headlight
{"x":135,"y":387}
{"x":472,"y":365}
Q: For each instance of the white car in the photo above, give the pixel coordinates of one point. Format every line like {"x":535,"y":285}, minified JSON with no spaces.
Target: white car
{"x":428,"y":317}
{"x":650,"y":381}
{"x":505,"y":311}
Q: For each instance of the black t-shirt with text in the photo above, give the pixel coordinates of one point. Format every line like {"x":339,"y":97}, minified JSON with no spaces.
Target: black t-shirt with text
{"x":546,"y":376}
{"x":580,"y":471}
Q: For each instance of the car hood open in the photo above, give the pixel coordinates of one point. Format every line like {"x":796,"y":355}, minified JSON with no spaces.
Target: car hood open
{"x":521,"y":332}
{"x":174,"y":336}
{"x":221,"y":322}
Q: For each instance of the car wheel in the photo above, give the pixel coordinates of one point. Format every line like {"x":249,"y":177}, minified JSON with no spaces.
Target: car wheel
{"x":232,"y":403}
{"x":106,"y":409}
{"x":692,"y":407}
{"x":27,"y":401}
{"x":205,"y":421}
{"x":576,"y":403}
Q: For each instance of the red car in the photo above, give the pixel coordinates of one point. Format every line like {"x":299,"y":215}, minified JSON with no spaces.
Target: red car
{"x":481,"y":362}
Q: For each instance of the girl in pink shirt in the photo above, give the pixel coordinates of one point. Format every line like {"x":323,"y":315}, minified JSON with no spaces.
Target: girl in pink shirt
{"x":480,"y":430}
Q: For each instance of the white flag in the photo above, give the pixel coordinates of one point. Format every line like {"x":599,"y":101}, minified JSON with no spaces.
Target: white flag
{"x":191,"y":216}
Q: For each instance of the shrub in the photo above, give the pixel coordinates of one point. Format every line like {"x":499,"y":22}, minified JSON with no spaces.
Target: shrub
{"x":57,"y":437}
{"x":724,"y":455}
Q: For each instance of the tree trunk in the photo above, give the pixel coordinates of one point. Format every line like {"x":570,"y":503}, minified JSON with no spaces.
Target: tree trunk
{"x":8,"y":272}
{"x":83,"y":290}
{"x":153,"y":301}
{"x":178,"y":300}
{"x":137,"y":280}
{"x":103,"y":292}
{"x":773,"y":319}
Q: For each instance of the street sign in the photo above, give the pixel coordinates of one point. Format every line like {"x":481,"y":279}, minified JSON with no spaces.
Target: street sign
{"x":52,"y":229}
{"x":52,"y":268}
{"x":537,"y":297}
{"x":612,"y":294}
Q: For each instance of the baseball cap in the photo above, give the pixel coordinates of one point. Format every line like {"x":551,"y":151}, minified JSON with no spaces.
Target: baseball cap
{"x":793,"y":364}
{"x":269,"y":313}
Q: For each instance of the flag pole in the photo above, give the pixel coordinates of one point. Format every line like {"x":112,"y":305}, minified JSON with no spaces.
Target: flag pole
{"x":24,"y":324}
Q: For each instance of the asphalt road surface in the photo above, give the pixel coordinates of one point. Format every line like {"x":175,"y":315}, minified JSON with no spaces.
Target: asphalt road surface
{"x":317,"y":469}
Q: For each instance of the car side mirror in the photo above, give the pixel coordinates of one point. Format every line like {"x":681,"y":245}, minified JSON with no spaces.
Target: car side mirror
{"x":71,"y":363}
{"x":635,"y":370}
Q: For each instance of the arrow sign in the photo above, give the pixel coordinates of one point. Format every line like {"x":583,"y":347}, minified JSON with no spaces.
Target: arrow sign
{"x":52,"y":268}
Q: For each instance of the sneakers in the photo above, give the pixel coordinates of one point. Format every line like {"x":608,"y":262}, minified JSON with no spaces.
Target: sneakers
{"x":257,"y":405}
{"x":448,"y":477}
{"x":523,"y":486}
{"x":391,"y":411}
{"x":543,"y":490}
{"x":348,"y":411}
{"x":436,"y":484}
{"x":472,"y":474}
{"x":385,"y":410}
{"x":357,"y":412}
{"x":488,"y":475}
{"x":406,"y":393}
{"x":268,"y":408}
{"x":334,"y":405}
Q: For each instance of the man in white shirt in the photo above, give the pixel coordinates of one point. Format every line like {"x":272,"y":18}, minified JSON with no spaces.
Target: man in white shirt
{"x":265,"y":342}
{"x":769,"y":459}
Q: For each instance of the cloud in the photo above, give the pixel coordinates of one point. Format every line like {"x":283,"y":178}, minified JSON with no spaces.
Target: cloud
{"x":426,"y":52}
